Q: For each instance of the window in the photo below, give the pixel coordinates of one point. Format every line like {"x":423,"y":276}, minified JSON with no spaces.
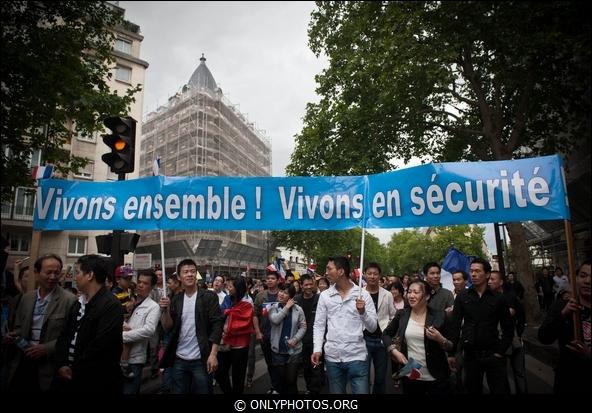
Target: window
{"x":87,"y":172}
{"x":19,"y":242}
{"x":123,"y":74}
{"x":24,"y":203}
{"x":123,"y":45}
{"x":87,"y":138}
{"x":76,"y":245}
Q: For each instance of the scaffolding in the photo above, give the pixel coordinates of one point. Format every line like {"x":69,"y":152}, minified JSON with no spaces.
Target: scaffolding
{"x":199,"y":132}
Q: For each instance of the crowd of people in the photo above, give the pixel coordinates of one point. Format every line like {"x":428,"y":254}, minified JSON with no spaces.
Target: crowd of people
{"x":340,"y":334}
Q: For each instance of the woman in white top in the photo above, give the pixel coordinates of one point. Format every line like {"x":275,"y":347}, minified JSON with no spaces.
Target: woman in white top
{"x":398,"y":292}
{"x":416,"y":333}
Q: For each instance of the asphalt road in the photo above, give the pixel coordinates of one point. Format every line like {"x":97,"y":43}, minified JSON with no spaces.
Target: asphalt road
{"x":539,"y":379}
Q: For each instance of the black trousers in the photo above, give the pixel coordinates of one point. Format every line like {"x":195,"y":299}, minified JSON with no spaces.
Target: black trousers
{"x":478,"y":363}
{"x":313,"y":376}
{"x":236,"y":359}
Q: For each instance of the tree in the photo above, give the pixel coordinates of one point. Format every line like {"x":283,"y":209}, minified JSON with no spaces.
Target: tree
{"x":56,"y":60}
{"x":408,"y":251}
{"x":319,"y":245}
{"x":466,"y":238}
{"x":446,"y":81}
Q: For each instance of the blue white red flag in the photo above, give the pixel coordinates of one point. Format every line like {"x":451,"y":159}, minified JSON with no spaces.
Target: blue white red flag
{"x":411,"y":370}
{"x":454,"y":261}
{"x":42,"y":172}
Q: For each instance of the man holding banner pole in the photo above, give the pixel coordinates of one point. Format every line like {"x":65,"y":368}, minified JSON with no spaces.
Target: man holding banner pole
{"x":156,"y":172}
{"x":344,"y":310}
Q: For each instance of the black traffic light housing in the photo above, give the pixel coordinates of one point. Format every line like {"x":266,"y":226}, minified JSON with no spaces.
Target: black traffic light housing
{"x":122,"y":142}
{"x":117,"y":244}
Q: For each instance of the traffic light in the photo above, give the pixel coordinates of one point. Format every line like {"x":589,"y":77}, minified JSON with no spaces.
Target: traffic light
{"x":122,"y":142}
{"x":127,"y":242}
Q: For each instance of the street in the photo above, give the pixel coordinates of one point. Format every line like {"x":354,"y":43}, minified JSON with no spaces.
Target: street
{"x":539,"y":379}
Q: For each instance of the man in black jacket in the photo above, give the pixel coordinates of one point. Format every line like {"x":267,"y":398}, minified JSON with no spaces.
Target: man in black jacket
{"x":516,"y":354}
{"x":479,"y":311}
{"x":89,"y":347}
{"x":572,"y":374}
{"x":196,"y":322}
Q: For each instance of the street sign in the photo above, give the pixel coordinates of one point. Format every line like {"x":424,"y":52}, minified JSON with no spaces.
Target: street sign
{"x":142,"y":261}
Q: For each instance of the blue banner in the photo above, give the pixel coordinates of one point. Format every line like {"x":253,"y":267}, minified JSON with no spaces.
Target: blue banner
{"x":426,"y":195}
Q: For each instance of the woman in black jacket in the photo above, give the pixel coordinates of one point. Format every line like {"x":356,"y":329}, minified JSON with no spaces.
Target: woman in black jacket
{"x":418,"y":332}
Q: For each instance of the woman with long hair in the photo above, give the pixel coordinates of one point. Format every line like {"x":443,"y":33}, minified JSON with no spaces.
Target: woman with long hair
{"x":418,"y":333}
{"x":238,"y":326}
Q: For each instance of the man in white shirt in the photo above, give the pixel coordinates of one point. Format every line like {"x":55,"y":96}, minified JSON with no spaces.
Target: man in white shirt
{"x":343,"y":312}
{"x":218,"y":288}
{"x":140,"y":328}
{"x":196,"y":323}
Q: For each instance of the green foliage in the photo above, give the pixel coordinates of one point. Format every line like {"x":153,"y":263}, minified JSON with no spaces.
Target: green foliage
{"x":409,"y":250}
{"x":319,"y":245}
{"x":56,"y":59}
{"x":447,"y":80}
{"x":466,"y":238}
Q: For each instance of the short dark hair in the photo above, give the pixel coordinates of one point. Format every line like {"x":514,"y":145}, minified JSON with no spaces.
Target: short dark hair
{"x":398,"y":287}
{"x":289,"y":288}
{"x":100,"y":266}
{"x":275,"y":274}
{"x":587,"y":261}
{"x":342,"y":263}
{"x":39,"y":261}
{"x":430,"y":265}
{"x":486,"y":265}
{"x":306,"y":277}
{"x":501,"y":275}
{"x":464,"y":274}
{"x":186,"y":261}
{"x":148,"y":273}
{"x":373,"y":265}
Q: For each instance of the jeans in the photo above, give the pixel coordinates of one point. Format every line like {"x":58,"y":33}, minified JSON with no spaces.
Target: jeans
{"x":132,"y":386}
{"x":339,"y":373}
{"x":286,"y":366}
{"x":377,"y":356}
{"x":189,"y":376}
{"x":314,"y":376}
{"x":267,"y":354}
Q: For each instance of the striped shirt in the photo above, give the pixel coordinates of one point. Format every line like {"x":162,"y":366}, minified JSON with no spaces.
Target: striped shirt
{"x":79,"y":317}
{"x":38,"y":315}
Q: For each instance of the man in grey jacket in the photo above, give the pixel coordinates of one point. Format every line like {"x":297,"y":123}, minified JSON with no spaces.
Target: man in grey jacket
{"x":39,"y":320}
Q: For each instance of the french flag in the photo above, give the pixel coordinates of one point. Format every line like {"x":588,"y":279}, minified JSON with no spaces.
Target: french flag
{"x":42,"y":172}
{"x":156,"y":167}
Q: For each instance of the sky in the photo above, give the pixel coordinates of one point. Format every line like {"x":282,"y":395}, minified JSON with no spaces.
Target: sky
{"x":257,"y":52}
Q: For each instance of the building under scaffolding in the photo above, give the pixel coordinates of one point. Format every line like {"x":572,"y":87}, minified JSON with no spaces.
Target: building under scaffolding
{"x":200,"y":133}
{"x":546,"y":239}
